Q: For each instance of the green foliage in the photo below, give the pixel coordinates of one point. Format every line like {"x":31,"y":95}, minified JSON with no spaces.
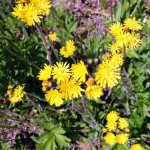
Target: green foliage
{"x":22,"y":53}
{"x":52,"y":139}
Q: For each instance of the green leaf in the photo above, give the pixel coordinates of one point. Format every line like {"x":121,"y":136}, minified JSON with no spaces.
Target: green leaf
{"x":120,"y":147}
{"x":50,"y":144}
{"x":134,"y":120}
{"x":48,"y":126}
{"x":72,"y":27}
{"x":132,"y":54}
{"x":53,"y":137}
{"x":144,"y":111}
{"x":44,"y":137}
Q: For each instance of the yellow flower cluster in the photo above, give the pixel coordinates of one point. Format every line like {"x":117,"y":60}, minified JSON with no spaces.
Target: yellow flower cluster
{"x":116,"y":129}
{"x":68,"y":81}
{"x":125,"y":36}
{"x":15,"y":94}
{"x":69,"y":78}
{"x":68,"y":50}
{"x":31,"y":11}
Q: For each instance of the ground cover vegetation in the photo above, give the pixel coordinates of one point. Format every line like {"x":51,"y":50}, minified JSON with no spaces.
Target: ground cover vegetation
{"x":75,"y":74}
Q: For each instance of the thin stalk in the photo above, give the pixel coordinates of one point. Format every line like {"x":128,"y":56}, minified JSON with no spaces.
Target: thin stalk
{"x":45,"y":45}
{"x":88,"y":111}
{"x":55,"y":52}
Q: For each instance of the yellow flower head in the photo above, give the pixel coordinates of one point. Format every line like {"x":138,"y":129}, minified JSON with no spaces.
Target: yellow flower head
{"x":111,"y":126}
{"x":17,"y":94}
{"x":68,"y":50}
{"x":70,"y":89}
{"x":10,"y":91}
{"x":45,"y":73}
{"x":61,"y":71}
{"x":18,"y":11}
{"x":117,"y":59}
{"x":132,"y":24}
{"x":123,"y":39}
{"x":79,"y":71}
{"x":107,"y":56}
{"x":136,"y":147}
{"x":104,"y":130}
{"x":43,"y":6}
{"x":134,"y":40}
{"x":70,"y":46}
{"x":116,"y":29}
{"x":54,"y":97}
{"x":64,"y":52}
{"x":122,"y":138}
{"x":123,"y":123}
{"x":110,"y":138}
{"x":127,"y":130}
{"x":112,"y":116}
{"x":94,"y":92}
{"x":90,"y":82}
{"x":107,"y":75}
{"x":52,"y":36}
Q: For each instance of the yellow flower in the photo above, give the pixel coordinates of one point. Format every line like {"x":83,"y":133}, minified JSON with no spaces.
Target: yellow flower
{"x":127,"y":130}
{"x":68,"y":50}
{"x":70,"y":46}
{"x":136,"y":147}
{"x":52,"y":36}
{"x":134,"y":40}
{"x":43,"y":6}
{"x":123,"y":123}
{"x":110,"y":138}
{"x":31,"y":11}
{"x":132,"y":24}
{"x":61,"y":71}
{"x":114,"y":47}
{"x":117,"y":59}
{"x":112,"y":116}
{"x":79,"y":71}
{"x":64,"y":52}
{"x":111,"y":126}
{"x":104,"y":130}
{"x":70,"y":89}
{"x":45,"y":73}
{"x":116,"y":29}
{"x":10,"y":91}
{"x":107,"y":56}
{"x":94,"y":91}
{"x":16,"y":94}
{"x":54,"y":97}
{"x":123,"y":39}
{"x":18,"y":11}
{"x":122,"y":138}
{"x":31,"y":15}
{"x":107,"y":75}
